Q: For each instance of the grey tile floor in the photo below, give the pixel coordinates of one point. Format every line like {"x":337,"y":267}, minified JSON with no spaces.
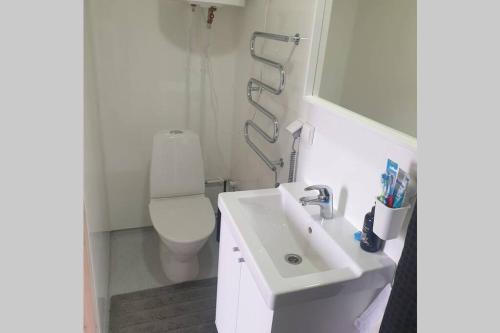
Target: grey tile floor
{"x":135,"y":261}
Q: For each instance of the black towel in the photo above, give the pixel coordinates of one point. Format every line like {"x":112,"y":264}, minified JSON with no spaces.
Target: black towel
{"x":401,"y":312}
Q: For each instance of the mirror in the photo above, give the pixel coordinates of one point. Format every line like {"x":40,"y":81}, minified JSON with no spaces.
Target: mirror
{"x":368,"y":60}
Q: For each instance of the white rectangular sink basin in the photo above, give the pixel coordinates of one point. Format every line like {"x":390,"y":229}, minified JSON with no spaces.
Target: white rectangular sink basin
{"x":270,"y":224}
{"x":284,"y":228}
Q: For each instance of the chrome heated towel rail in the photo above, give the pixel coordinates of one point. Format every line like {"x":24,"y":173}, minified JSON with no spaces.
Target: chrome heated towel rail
{"x":257,"y":85}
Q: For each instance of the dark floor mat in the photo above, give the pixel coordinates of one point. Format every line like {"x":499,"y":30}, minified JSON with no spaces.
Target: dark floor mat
{"x":187,"y":307}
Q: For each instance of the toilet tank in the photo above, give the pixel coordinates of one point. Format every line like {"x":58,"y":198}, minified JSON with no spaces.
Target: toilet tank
{"x":176,"y":164}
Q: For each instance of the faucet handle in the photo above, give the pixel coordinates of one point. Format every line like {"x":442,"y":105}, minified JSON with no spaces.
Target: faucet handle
{"x":324,"y":190}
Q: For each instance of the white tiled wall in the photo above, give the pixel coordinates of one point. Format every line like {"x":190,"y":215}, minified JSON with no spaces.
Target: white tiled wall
{"x":350,"y":157}
{"x":95,"y":195}
{"x":140,"y":51}
{"x":141,"y":61}
{"x":283,"y":18}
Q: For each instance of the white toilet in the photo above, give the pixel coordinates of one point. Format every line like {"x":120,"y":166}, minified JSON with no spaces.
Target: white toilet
{"x":180,"y":212}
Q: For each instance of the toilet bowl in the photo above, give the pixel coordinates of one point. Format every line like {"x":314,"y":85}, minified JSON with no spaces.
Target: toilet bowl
{"x":180,"y":213}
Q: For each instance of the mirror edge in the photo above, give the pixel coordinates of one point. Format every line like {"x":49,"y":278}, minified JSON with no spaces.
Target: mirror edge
{"x":318,"y":46}
{"x":315,"y":64}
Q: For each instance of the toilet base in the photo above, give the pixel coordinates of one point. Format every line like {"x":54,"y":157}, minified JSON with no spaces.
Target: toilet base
{"x":176,"y":268}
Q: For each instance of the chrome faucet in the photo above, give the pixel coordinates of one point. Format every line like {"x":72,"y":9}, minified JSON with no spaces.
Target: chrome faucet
{"x":323,"y":200}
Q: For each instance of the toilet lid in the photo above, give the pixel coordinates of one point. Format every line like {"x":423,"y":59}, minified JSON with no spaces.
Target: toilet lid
{"x":183,"y":219}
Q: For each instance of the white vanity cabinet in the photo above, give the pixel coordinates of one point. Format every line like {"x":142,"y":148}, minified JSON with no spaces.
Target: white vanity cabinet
{"x":228,"y":283}
{"x":240,"y":307}
{"x":258,"y":291}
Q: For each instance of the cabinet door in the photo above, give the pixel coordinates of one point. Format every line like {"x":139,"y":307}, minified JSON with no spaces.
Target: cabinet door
{"x":253,"y":313}
{"x":228,"y":282}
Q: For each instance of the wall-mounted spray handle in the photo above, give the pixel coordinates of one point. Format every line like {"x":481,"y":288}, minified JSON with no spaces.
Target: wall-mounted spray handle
{"x":295,"y":129}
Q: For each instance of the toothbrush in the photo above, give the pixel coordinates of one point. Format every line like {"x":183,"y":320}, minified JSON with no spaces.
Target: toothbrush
{"x":389,"y":199}
{"x":384,"y":183}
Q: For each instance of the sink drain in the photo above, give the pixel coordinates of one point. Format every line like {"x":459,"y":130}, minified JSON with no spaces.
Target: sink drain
{"x":293,"y":259}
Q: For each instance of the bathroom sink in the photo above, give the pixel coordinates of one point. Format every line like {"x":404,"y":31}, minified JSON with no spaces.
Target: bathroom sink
{"x":293,"y":254}
{"x":284,"y":228}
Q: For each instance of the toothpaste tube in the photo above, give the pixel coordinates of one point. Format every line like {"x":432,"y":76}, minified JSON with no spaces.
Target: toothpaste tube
{"x":392,"y":173}
{"x":400,"y":189}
